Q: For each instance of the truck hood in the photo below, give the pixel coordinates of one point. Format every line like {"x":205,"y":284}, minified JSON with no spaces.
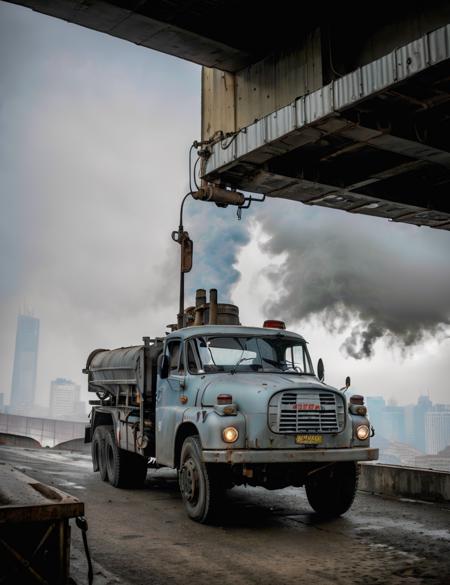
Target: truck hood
{"x":251,"y":392}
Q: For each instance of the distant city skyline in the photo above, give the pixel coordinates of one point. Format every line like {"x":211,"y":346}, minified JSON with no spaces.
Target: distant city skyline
{"x":64,"y":398}
{"x":424,"y":426}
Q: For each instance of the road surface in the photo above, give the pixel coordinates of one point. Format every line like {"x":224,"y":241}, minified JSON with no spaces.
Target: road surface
{"x":142,"y":537}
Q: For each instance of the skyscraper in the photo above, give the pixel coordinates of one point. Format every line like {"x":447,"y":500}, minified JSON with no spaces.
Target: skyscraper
{"x":376,"y":406}
{"x":437,"y":429}
{"x":25,"y":364}
{"x":424,"y":405}
{"x":65,"y":400}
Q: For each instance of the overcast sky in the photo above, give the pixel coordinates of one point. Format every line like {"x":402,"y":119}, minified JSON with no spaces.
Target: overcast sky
{"x":95,"y":134}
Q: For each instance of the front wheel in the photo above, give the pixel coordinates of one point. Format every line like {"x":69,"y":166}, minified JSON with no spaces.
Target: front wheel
{"x":200,"y":484}
{"x":331,"y":490}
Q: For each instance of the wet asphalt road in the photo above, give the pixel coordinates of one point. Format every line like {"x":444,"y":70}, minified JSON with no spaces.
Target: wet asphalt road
{"x":270,"y":538}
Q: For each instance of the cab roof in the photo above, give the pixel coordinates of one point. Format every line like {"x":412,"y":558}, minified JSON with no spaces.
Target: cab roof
{"x":188,"y":332}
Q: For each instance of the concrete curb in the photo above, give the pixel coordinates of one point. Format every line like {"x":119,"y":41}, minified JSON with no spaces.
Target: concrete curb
{"x":407,"y":482}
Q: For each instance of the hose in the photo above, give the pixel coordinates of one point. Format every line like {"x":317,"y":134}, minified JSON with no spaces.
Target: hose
{"x":82,"y":524}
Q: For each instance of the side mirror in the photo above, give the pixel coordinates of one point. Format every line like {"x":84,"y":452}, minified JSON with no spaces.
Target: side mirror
{"x":320,"y":370}
{"x":164,"y":366}
{"x":347,"y":384}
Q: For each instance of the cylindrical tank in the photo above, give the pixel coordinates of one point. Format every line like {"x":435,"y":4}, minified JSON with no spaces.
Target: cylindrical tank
{"x":116,"y":370}
{"x":226,"y":314}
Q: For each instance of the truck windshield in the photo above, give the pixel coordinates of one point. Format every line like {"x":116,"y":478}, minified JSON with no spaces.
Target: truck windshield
{"x":253,"y":354}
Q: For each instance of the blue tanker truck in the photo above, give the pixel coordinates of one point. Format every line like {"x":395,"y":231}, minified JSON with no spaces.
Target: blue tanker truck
{"x":225,"y":405}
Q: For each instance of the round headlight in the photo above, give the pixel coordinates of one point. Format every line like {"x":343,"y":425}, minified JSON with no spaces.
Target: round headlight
{"x":230,"y":434}
{"x":362,"y":432}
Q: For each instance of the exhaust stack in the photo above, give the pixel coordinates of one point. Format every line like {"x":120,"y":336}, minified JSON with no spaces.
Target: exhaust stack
{"x":208,"y":313}
{"x":213,"y":306}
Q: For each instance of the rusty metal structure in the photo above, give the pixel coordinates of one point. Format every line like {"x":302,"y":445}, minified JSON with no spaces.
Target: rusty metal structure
{"x":372,"y":141}
{"x":34,"y":530}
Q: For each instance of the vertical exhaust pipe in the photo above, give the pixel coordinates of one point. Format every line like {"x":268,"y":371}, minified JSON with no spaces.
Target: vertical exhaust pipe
{"x":213,"y":306}
{"x":200,"y":301}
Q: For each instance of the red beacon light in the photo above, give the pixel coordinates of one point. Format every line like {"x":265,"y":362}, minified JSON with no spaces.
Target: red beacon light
{"x":274,"y":324}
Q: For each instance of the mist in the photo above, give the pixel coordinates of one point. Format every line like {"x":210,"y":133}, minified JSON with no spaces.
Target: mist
{"x":93,"y":165}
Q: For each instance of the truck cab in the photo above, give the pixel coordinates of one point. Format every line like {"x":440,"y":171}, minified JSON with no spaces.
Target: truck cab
{"x":257,"y":410}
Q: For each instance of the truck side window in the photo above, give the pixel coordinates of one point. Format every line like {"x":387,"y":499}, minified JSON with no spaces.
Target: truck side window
{"x":192,"y":364}
{"x":173,"y":351}
{"x":181,"y":362}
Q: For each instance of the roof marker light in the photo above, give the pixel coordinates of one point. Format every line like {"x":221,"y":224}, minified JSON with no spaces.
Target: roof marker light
{"x":274,"y":324}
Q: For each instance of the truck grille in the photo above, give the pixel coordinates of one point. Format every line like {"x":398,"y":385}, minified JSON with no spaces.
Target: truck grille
{"x":305,"y":412}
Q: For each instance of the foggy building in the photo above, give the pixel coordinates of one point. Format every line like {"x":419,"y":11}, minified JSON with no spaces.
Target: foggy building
{"x":437,"y":429}
{"x":1,"y":401}
{"x":375,"y":408}
{"x":410,"y":425}
{"x":23,"y":386}
{"x":394,"y":423}
{"x":423,"y":406}
{"x":65,"y":400}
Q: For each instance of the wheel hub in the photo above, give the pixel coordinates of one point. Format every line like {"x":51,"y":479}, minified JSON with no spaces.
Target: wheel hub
{"x":189,"y":480}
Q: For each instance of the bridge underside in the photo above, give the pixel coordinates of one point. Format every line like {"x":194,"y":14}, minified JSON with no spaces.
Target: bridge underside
{"x":318,"y":107}
{"x":226,"y":34}
{"x":375,"y":141}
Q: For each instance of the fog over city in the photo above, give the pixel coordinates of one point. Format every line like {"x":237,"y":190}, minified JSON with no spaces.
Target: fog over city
{"x":94,"y":163}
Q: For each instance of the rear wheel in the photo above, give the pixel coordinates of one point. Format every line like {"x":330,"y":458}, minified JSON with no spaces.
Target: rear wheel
{"x":331,"y":490}
{"x":95,"y":451}
{"x":124,"y":469}
{"x":98,"y":450}
{"x":201,"y":487}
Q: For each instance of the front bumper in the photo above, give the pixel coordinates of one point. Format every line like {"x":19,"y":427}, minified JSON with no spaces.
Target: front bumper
{"x":234,"y":456}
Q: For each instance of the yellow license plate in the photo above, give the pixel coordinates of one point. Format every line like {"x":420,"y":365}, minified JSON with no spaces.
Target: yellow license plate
{"x":308,"y":439}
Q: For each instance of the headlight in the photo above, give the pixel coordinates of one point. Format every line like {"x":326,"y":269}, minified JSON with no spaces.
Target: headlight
{"x":362,"y":432}
{"x":230,"y":434}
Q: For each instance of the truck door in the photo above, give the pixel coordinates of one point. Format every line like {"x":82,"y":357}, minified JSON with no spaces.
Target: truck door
{"x":169,"y":408}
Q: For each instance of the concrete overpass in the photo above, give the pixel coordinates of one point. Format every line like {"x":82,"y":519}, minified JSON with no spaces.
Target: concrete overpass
{"x":328,"y":106}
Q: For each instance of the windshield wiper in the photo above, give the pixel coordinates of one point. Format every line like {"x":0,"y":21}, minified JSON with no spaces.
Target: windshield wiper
{"x":239,"y":362}
{"x":241,"y":358}
{"x":280,"y":370}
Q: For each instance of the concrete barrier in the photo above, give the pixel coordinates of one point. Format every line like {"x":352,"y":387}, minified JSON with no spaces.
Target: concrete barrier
{"x":405,"y":482}
{"x":19,"y":441}
{"x":74,"y":445}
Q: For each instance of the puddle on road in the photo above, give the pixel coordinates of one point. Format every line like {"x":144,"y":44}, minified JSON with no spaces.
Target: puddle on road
{"x":69,"y":484}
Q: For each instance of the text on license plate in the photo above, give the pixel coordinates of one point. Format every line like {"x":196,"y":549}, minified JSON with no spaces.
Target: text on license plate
{"x":308,"y":439}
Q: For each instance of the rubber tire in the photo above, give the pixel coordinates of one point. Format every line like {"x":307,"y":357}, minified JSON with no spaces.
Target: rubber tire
{"x":124,"y":469}
{"x":205,"y":503}
{"x":331,"y":491}
{"x":99,"y":437}
{"x":95,"y":451}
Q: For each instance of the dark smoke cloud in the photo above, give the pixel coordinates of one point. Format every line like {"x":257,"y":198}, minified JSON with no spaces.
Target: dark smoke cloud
{"x":370,"y":278}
